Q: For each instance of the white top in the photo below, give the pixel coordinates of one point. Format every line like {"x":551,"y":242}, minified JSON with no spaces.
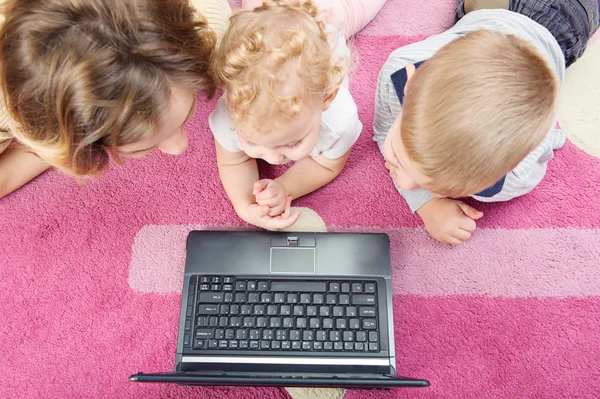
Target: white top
{"x":340,"y":127}
{"x":532,"y":169}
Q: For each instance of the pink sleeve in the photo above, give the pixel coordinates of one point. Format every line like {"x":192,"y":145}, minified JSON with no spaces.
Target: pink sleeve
{"x":349,"y":15}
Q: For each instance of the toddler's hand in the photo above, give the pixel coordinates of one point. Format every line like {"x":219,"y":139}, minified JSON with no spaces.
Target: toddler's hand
{"x":256,"y":216}
{"x":271,"y":197}
{"x":449,"y":220}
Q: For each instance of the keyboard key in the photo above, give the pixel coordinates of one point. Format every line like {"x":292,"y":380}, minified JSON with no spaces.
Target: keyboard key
{"x":334,"y":287}
{"x":228,"y":280}
{"x":186,"y":340}
{"x":373,"y":336}
{"x":275,"y":322}
{"x":361,"y":336}
{"x":348,"y":336}
{"x":215,"y":287}
{"x":246,"y":309}
{"x":227,"y":287}
{"x":208,"y":309}
{"x":338,"y":346}
{"x":261,"y":321}
{"x":288,"y":322}
{"x":241,"y":334}
{"x":367,"y":311}
{"x":235,"y":321}
{"x":349,"y":346}
{"x":318,"y":346}
{"x":298,"y":310}
{"x":217,"y":280}
{"x":338,"y":311}
{"x":205,"y":333}
{"x":281,"y":335}
{"x":344,"y":299}
{"x":276,"y":345}
{"x":213,"y":344}
{"x":351,"y":311}
{"x":213,"y":321}
{"x":328,"y":323}
{"x":219,"y":333}
{"x":296,"y":345}
{"x":301,"y":322}
{"x":244,"y":344}
{"x":272,"y":310}
{"x":359,"y":346}
{"x":240,"y":286}
{"x":251,"y":286}
{"x":357,"y":288}
{"x":331,"y":299}
{"x":229,"y":333}
{"x":254,"y":344}
{"x":233,"y":344}
{"x":204,"y":287}
{"x":259,"y":310}
{"x":363,"y":299}
{"x":294,"y":335}
{"x":228,"y":297}
{"x":328,"y":346}
{"x":286,"y":345}
{"x":240,"y":297}
{"x":311,"y":310}
{"x":210,"y":297}
{"x":341,"y":324}
{"x":204,"y":279}
{"x":253,"y":297}
{"x":279,"y":298}
{"x":321,"y":335}
{"x":266,"y":297}
{"x":345,"y":287}
{"x":324,"y":311}
{"x":308,"y":335}
{"x":373,"y":346}
{"x":335,"y":336}
{"x":354,"y":324}
{"x":285,"y":310}
{"x":369,"y":288}
{"x":298,"y":286}
{"x":369,"y":324}
{"x":314,"y":322}
{"x":249,"y":321}
{"x":223,"y":321}
{"x":263,"y":286}
{"x":305,"y":298}
{"x":234,"y":309}
{"x":306,"y":345}
{"x":202,"y":321}
{"x":318,"y":299}
{"x":224,"y":309}
{"x":292,"y":298}
{"x":267,"y":335}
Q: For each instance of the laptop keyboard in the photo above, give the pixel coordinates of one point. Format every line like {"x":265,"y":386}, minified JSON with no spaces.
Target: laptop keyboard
{"x":227,"y":313}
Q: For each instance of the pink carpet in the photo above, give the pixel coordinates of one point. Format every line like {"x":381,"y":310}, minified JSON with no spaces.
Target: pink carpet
{"x":90,"y":275}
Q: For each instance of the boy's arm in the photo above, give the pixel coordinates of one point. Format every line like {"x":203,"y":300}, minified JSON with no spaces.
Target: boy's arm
{"x":18,"y":165}
{"x":238,"y":173}
{"x":311,"y":173}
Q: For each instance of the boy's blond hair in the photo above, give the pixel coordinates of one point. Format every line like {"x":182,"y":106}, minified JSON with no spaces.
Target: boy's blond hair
{"x":82,"y":78}
{"x":476,"y":109}
{"x":275,"y":59}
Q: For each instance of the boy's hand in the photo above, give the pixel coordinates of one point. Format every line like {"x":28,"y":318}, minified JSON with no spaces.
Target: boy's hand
{"x":449,"y":220}
{"x":270,"y":196}
{"x":254,"y":214}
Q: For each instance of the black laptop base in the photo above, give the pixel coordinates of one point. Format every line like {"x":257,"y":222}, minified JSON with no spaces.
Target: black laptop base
{"x":333,"y":381}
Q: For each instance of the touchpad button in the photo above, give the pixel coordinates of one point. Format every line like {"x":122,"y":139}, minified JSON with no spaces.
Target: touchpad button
{"x":293,"y":260}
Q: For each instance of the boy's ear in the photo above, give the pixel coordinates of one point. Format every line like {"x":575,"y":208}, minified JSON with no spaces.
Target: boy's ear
{"x":410,"y":72}
{"x":329,"y":99}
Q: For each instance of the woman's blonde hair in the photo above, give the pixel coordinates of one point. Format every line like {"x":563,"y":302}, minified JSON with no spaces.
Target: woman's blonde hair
{"x":275,"y":59}
{"x":84,"y":77}
{"x":476,"y":109}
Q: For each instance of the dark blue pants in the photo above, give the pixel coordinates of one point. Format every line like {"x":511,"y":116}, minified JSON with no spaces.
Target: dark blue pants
{"x":572,"y":22}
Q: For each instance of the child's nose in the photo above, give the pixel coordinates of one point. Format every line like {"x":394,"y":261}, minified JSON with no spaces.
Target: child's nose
{"x":273,"y":158}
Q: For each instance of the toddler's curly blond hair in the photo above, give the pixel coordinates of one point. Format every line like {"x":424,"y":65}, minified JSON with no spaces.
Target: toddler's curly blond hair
{"x":275,"y":59}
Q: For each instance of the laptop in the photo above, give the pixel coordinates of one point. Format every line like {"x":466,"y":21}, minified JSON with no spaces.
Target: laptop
{"x":286,"y":309}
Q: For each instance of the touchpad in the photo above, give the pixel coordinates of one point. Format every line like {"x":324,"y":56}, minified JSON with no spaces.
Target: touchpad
{"x":293,"y":260}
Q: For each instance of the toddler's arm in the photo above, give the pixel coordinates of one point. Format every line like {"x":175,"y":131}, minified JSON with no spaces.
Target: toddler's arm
{"x":311,"y":173}
{"x":18,"y":165}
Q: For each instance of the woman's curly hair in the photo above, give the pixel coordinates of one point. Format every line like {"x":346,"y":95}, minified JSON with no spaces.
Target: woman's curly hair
{"x":275,"y":59}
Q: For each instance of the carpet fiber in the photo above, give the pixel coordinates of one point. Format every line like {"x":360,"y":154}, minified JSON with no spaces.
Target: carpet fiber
{"x":90,"y":274}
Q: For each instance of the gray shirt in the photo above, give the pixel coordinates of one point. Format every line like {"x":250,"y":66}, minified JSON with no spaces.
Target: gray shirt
{"x":523,"y":178}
